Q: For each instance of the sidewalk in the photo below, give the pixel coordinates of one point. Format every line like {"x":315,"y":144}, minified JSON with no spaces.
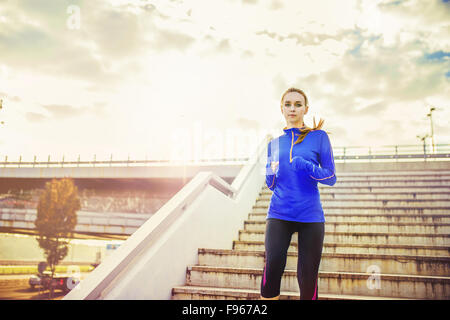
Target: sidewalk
{"x":10,"y":279}
{"x":32,"y":269}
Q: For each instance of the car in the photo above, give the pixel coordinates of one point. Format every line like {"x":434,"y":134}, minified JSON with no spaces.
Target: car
{"x":34,"y":281}
{"x":64,"y":282}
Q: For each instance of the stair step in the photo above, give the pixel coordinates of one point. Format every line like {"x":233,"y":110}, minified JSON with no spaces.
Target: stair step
{"x":365,"y":189}
{"x":329,"y":210}
{"x":396,"y":173}
{"x":376,"y":196}
{"x":393,"y":183}
{"x":211,"y":293}
{"x":347,"y":262}
{"x":396,"y":223}
{"x":346,"y":203}
{"x":396,"y":177}
{"x":391,"y":218}
{"x":359,"y":237}
{"x":370,"y":248}
{"x":349,"y":283}
{"x":399,"y":227}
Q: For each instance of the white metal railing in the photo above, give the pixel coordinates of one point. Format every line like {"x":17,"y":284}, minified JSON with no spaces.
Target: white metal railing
{"x":393,"y":152}
{"x":152,"y":247}
{"x":110,"y":163}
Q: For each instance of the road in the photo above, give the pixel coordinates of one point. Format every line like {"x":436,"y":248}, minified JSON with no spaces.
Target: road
{"x":16,"y":287}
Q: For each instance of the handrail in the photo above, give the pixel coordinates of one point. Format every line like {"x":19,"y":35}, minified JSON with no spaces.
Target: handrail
{"x":418,"y":146}
{"x":388,"y":156}
{"x":156,"y":226}
{"x":251,"y":164}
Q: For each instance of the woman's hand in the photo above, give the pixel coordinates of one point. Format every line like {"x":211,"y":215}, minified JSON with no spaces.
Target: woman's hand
{"x":300,"y":164}
{"x":274,"y":166}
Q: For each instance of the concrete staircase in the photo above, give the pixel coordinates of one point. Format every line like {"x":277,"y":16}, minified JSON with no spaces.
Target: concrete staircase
{"x":387,"y":236}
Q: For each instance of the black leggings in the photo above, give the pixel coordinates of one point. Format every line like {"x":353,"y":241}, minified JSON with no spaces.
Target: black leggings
{"x":277,"y":241}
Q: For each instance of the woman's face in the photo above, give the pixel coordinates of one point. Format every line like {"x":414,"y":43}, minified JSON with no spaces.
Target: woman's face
{"x":294,"y":108}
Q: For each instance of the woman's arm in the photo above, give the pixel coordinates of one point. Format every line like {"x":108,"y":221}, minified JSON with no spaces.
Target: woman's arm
{"x":270,"y":174}
{"x":326,"y":173}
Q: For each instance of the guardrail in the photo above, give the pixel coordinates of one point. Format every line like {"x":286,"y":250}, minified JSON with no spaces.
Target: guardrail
{"x":111,"y":163}
{"x":143,"y":267}
{"x":392,"y":152}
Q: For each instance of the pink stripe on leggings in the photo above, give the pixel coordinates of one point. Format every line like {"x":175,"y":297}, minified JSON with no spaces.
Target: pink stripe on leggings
{"x":264,"y":279}
{"x":315,"y":293}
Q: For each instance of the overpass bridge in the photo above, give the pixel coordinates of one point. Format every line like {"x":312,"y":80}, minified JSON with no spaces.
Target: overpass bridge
{"x":158,"y":175}
{"x":161,"y":179}
{"x":391,"y":216}
{"x":120,"y":225}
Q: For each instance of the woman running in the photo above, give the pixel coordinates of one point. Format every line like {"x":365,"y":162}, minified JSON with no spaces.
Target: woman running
{"x":292,"y":173}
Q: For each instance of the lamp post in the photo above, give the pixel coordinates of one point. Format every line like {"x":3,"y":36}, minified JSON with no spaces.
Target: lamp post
{"x":424,"y":145}
{"x":431,"y":123}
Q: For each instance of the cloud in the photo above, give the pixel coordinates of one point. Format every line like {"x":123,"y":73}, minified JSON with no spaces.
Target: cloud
{"x":304,"y":38}
{"x":373,"y":109}
{"x":106,"y":50}
{"x":224,"y":46}
{"x":426,"y":21}
{"x":276,"y":5}
{"x":377,"y":73}
{"x":10,"y":98}
{"x":367,"y":66}
{"x":35,"y":117}
{"x":250,"y":2}
{"x":167,"y":40}
{"x":30,"y":43}
{"x":280,"y":85}
{"x":25,"y":46}
{"x":112,"y":32}
{"x":247,"y":54}
{"x":248,"y":123}
{"x":64,"y":111}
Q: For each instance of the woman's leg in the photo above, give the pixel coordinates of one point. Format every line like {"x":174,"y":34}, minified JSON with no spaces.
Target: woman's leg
{"x":277,"y":239}
{"x":310,"y":243}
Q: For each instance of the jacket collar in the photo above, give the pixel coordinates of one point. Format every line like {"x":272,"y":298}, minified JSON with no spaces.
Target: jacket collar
{"x":294,"y":129}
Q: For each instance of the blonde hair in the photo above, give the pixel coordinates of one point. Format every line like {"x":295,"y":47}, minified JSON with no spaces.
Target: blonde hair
{"x":306,"y":130}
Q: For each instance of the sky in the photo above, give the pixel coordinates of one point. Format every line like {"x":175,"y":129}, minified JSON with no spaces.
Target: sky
{"x":204,"y":79}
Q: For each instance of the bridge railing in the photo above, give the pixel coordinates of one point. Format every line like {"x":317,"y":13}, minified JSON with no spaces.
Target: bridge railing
{"x":392,"y":152}
{"x":109,"y":163}
{"x":341,"y":154}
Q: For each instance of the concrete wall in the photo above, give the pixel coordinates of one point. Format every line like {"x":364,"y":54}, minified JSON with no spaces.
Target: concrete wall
{"x":211,"y":222}
{"x":19,"y":247}
{"x":154,"y":259}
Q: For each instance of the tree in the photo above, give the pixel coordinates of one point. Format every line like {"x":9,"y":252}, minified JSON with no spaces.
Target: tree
{"x":56,"y":219}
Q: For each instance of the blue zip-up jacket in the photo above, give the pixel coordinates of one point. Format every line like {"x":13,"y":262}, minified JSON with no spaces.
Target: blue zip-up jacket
{"x":296,"y":195}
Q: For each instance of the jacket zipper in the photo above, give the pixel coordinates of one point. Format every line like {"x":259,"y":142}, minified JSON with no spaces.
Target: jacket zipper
{"x":292,"y":144}
{"x":290,"y":158}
